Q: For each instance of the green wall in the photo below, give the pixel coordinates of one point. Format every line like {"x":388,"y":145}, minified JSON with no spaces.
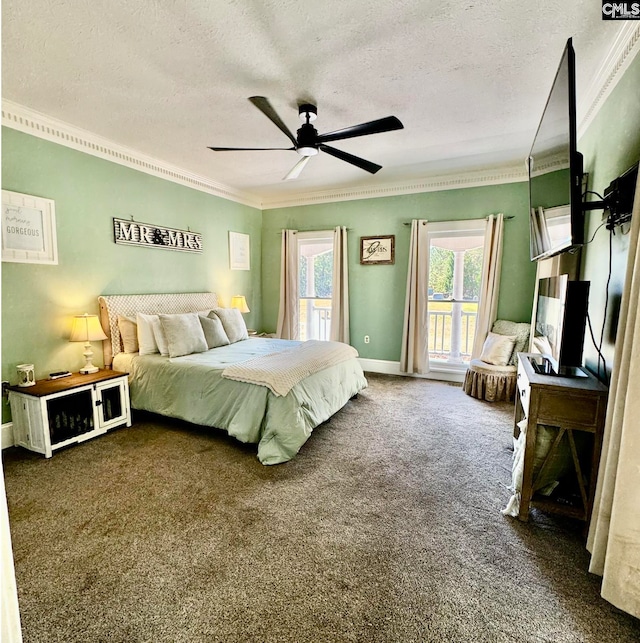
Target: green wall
{"x":38,"y":301}
{"x":610,"y":146}
{"x":377,"y":292}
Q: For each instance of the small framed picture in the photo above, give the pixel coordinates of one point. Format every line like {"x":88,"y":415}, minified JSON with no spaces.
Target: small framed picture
{"x":28,"y":229}
{"x":239,"y":251}
{"x":377,"y":250}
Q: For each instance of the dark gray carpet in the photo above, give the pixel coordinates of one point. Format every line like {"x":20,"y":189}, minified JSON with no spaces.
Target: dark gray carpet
{"x":385,"y":527}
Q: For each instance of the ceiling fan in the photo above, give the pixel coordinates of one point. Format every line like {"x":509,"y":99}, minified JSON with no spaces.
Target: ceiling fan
{"x":308,"y":142}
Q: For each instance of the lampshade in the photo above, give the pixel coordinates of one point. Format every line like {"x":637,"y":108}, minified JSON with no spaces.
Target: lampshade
{"x":86,"y":328}
{"x":239,"y":302}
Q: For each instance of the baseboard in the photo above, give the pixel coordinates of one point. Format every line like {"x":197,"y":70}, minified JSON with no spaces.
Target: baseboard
{"x":6,"y":432}
{"x":387,"y":367}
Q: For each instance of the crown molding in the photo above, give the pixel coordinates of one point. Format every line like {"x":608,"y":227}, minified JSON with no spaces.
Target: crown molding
{"x":551,"y":163}
{"x":51,"y":129}
{"x":624,"y":49}
{"x":470,"y":179}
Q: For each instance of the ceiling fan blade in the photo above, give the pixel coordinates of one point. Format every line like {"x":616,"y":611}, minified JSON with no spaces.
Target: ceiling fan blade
{"x":368,"y":166}
{"x":265,"y":107}
{"x":250,"y":149}
{"x":386,"y":124}
{"x":296,"y":169}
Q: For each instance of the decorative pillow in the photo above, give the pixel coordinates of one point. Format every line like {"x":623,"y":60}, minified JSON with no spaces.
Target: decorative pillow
{"x":497,"y":349}
{"x":233,"y":323}
{"x":160,"y":337}
{"x":129,"y":333}
{"x":520,"y":329}
{"x":146,"y":336}
{"x":183,"y":333}
{"x":213,"y":331}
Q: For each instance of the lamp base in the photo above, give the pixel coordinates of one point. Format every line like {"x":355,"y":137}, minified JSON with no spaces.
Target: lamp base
{"x":88,"y":356}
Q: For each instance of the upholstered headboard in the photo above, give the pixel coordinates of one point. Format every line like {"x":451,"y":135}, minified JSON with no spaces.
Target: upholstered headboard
{"x":128,"y":305}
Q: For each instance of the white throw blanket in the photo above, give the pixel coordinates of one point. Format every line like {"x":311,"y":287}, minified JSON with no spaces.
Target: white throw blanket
{"x":280,"y":372}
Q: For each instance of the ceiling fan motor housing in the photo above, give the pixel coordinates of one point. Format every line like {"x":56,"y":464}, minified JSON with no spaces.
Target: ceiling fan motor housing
{"x":307,"y":140}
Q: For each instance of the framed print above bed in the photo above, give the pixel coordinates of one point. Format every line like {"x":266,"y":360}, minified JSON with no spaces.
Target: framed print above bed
{"x":239,"y":251}
{"x":28,"y":229}
{"x":377,"y":250}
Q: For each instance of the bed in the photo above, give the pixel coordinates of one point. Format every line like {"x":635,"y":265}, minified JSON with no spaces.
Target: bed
{"x":207,"y":387}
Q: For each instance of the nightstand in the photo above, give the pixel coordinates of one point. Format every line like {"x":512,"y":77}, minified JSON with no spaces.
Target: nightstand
{"x":56,"y":413}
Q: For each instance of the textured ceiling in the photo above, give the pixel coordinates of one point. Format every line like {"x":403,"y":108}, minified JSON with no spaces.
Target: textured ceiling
{"x":469,"y":79}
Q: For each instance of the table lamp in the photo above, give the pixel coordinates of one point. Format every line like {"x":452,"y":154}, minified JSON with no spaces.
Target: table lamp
{"x":240,"y":302}
{"x":86,"y":328}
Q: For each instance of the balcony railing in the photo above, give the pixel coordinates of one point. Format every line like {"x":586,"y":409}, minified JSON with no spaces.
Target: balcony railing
{"x":452,"y":327}
{"x":315,"y":318}
{"x":448,"y":341}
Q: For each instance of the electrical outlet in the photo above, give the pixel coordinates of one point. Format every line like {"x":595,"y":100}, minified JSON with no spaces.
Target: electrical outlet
{"x":366,"y":339}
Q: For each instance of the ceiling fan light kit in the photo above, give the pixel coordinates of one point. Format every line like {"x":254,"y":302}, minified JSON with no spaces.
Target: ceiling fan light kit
{"x":308,"y":142}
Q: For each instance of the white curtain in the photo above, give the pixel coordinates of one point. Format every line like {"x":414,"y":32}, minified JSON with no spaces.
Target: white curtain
{"x":10,"y":631}
{"x":340,"y":288}
{"x":614,"y":532}
{"x":414,"y":357}
{"x":490,"y":288}
{"x":288,"y":311}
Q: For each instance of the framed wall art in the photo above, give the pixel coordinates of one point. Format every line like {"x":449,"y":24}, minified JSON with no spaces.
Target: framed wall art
{"x":28,"y":229}
{"x":377,"y":250}
{"x":239,"y":251}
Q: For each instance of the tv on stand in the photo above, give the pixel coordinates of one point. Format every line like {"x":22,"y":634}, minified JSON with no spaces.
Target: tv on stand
{"x":559,"y":329}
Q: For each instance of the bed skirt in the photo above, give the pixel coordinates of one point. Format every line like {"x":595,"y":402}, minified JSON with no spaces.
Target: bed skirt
{"x":490,"y":383}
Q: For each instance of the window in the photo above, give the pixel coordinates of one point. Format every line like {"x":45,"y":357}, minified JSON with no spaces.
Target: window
{"x":315,"y":279}
{"x":456,"y":252}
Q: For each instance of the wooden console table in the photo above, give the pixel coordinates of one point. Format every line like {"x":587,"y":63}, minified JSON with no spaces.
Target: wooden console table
{"x":570,"y":404}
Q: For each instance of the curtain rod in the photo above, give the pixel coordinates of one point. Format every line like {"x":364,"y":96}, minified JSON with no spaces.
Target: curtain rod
{"x":328,"y":230}
{"x":508,"y":218}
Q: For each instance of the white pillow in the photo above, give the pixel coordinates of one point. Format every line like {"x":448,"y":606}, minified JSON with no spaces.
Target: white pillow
{"x":161,"y":340}
{"x":521,"y":332}
{"x":497,"y":349}
{"x":213,"y":331}
{"x":233,"y":323}
{"x":146,"y":336}
{"x":183,"y":333}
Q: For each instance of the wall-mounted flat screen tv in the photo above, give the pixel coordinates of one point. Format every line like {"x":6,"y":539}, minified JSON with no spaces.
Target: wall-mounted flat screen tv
{"x":555,"y":170}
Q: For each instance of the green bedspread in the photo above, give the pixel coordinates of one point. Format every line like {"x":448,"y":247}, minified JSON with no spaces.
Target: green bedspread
{"x":192,"y":388}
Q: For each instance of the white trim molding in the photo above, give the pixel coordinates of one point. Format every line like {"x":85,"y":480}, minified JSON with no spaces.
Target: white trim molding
{"x":51,"y":129}
{"x":623,"y":50}
{"x":387,"y":367}
{"x":470,"y":179}
{"x":6,"y":435}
